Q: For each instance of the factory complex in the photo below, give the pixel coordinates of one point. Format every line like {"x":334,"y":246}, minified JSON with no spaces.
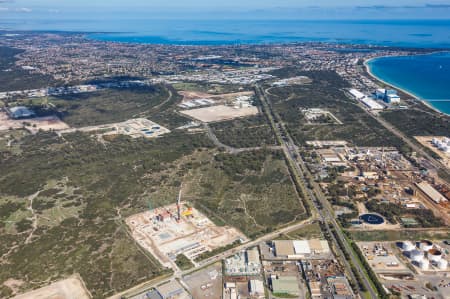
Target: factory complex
{"x":300,"y":249}
{"x":371,"y":178}
{"x":178,"y":229}
{"x":379,"y":100}
{"x":440,"y":145}
{"x":410,"y":267}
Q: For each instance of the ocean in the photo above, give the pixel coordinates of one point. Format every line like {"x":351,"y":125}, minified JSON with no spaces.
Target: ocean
{"x":426,"y":76}
{"x":401,"y":33}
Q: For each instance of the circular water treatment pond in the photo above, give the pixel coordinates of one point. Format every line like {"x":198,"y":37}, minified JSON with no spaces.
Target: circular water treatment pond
{"x":372,"y":218}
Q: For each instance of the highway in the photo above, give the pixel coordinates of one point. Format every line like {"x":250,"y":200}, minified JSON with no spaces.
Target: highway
{"x":313,"y":192}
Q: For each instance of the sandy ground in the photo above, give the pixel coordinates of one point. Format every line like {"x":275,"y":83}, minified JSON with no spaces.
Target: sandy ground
{"x":205,"y":283}
{"x":192,"y":95}
{"x":33,"y":125}
{"x":219,"y":113}
{"x":70,"y":288}
{"x":426,"y":141}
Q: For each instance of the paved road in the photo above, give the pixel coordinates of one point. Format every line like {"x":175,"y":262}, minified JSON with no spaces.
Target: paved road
{"x":177,"y":275}
{"x":265,"y":238}
{"x":313,"y":191}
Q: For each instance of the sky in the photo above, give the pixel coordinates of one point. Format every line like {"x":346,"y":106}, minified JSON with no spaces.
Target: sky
{"x":276,"y":9}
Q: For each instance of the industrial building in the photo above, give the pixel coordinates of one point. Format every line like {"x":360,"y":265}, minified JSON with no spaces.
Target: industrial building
{"x":298,"y":249}
{"x":443,"y":144}
{"x":20,"y":112}
{"x":172,"y":289}
{"x":357,"y":94}
{"x":371,"y":104}
{"x":169,"y":290}
{"x":245,"y":263}
{"x":388,"y":95}
{"x":339,"y":287}
{"x":285,"y":285}
{"x":431,"y":193}
{"x":256,"y":288}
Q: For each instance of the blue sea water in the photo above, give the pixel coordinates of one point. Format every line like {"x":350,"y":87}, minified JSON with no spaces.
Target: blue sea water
{"x":407,"y":33}
{"x":426,"y":76}
{"x":388,"y":33}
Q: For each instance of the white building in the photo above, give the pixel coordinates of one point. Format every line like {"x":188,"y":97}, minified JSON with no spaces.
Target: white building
{"x":256,"y":287}
{"x":357,"y":94}
{"x":392,"y":99}
{"x":371,"y":104}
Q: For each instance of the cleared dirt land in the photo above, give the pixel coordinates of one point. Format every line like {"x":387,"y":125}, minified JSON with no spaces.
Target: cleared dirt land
{"x":220,"y":113}
{"x":33,"y":125}
{"x":70,"y":288}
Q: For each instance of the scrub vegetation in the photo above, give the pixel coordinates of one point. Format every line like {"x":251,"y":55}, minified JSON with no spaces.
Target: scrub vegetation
{"x":325,"y":92}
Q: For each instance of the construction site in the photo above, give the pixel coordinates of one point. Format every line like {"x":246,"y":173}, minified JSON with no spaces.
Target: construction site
{"x":176,"y":229}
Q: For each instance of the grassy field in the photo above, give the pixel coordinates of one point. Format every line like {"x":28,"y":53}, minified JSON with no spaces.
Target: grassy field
{"x":183,"y":262}
{"x":156,"y":102}
{"x":85,"y":188}
{"x":251,"y":191}
{"x":325,"y":92}
{"x":82,"y":189}
{"x":310,"y":231}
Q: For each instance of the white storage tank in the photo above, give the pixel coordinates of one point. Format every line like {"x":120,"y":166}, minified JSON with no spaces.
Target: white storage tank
{"x":424,"y":264}
{"x":442,"y":264}
{"x":407,"y":246}
{"x":425,"y":245}
{"x":416,"y":255}
{"x":434,"y":255}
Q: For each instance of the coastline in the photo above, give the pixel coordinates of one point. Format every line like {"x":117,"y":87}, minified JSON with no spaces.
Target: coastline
{"x":411,"y":94}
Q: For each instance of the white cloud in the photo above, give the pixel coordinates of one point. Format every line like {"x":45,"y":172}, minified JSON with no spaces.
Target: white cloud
{"x":4,"y":8}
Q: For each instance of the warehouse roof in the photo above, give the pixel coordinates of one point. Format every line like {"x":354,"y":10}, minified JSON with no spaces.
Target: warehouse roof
{"x":283,"y":247}
{"x":431,"y":192}
{"x":19,"y":112}
{"x":286,"y":284}
{"x":302,"y":247}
